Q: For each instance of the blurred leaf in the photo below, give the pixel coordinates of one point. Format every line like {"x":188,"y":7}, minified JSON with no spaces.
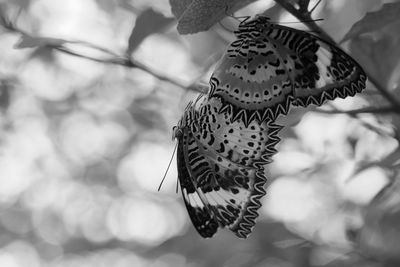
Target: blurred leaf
{"x":107,"y":5}
{"x":288,"y":243}
{"x":20,"y":4}
{"x":391,"y":160}
{"x":178,"y":7}
{"x":27,"y":41}
{"x":380,"y":235}
{"x":146,"y":112}
{"x":148,"y":22}
{"x":374,"y":21}
{"x":296,"y":115}
{"x":5,"y":88}
{"x":45,"y":54}
{"x":215,"y":252}
{"x":378,"y":57}
{"x":3,"y":19}
{"x":199,"y":15}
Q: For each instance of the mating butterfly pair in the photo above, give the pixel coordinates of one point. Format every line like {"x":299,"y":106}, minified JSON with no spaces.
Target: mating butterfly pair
{"x":226,"y":136}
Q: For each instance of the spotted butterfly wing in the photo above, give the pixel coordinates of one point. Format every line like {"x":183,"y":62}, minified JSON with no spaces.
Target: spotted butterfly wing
{"x":271,"y":66}
{"x":220,"y":167}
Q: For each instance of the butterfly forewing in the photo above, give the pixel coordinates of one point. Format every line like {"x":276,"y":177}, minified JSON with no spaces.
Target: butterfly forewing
{"x":270,"y":66}
{"x":221,"y":171}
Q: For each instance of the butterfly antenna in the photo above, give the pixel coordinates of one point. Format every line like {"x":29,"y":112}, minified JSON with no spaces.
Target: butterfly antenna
{"x":315,"y":6}
{"x":291,"y":22}
{"x":169,"y":165}
{"x":313,"y":20}
{"x":224,"y":27}
{"x":176,"y":189}
{"x":241,"y":19}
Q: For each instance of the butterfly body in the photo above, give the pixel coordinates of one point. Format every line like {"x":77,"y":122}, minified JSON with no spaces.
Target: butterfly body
{"x":271,"y":66}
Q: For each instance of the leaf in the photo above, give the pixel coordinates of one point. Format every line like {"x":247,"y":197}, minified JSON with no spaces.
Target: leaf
{"x":377,"y":56}
{"x":178,"y":7}
{"x":375,"y":21}
{"x":199,"y":15}
{"x":145,"y":111}
{"x":3,"y":20}
{"x":379,"y":236}
{"x":391,"y":160}
{"x":148,"y":22}
{"x":288,"y":243}
{"x":5,"y":96}
{"x":27,"y":41}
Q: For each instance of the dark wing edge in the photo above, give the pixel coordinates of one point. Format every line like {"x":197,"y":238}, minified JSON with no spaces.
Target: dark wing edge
{"x":244,"y":226}
{"x":248,"y":220}
{"x":351,"y":84}
{"x":202,"y":219}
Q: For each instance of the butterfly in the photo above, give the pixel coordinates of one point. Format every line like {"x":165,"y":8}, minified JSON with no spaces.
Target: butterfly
{"x":220,"y":166}
{"x":269,"y":67}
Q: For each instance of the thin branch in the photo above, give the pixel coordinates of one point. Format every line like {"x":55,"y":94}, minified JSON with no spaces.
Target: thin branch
{"x":126,"y":62}
{"x":354,"y":114}
{"x":385,"y":93}
{"x":373,"y":110}
{"x":303,"y":5}
{"x":113,"y":58}
{"x":372,"y":127}
{"x":113,"y":61}
{"x":315,"y":6}
{"x":306,"y":17}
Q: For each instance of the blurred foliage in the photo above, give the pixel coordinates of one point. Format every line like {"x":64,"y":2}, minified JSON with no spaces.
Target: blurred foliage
{"x":90,"y":91}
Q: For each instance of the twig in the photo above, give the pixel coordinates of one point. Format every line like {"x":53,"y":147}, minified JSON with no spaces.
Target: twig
{"x":303,"y":5}
{"x":315,"y":6}
{"x":114,"y":58}
{"x":126,"y":62}
{"x":373,"y":110}
{"x":354,"y":114}
{"x":305,"y":15}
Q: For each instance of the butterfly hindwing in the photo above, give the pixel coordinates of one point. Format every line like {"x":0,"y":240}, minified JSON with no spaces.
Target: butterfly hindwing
{"x":220,"y":167}
{"x":248,"y":145}
{"x":270,"y":66}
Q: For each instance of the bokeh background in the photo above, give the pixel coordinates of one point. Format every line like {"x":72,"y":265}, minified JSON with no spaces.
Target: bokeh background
{"x":84,"y":144}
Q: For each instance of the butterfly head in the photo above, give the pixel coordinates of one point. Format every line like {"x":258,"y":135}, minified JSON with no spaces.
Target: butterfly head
{"x":177,"y":132}
{"x":261,"y":19}
{"x":187,"y":118}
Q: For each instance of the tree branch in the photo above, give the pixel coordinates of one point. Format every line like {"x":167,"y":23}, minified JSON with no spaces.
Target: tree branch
{"x":112,"y":58}
{"x":373,"y":110}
